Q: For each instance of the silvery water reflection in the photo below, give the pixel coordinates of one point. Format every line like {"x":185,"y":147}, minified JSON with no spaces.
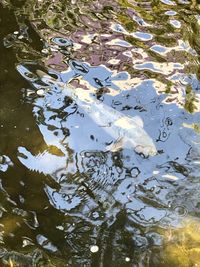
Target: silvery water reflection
{"x":101,"y":178}
{"x":138,"y":63}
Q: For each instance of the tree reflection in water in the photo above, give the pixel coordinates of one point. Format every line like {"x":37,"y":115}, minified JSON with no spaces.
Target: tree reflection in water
{"x":111,"y":191}
{"x":121,"y":202}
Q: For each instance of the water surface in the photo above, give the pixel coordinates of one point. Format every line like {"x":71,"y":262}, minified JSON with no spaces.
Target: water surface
{"x":65,"y":199}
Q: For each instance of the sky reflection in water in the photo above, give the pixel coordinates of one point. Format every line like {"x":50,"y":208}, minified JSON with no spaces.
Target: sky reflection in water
{"x":78,"y":194}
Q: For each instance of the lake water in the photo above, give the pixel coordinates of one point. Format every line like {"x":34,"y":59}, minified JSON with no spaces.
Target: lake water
{"x":72,"y":191}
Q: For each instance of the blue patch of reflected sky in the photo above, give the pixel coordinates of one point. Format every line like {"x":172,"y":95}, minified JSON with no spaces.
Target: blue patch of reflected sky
{"x":119,"y":43}
{"x":118,"y":28}
{"x":181,"y":46}
{"x":170,"y":13}
{"x":175,"y":23}
{"x":168,"y":2}
{"x":142,"y":36}
{"x":159,"y":49}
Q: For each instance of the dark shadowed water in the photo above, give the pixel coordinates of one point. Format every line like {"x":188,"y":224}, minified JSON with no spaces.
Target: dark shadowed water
{"x":100,"y":133}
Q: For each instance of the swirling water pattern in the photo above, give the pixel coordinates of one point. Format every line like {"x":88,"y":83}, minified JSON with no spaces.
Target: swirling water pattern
{"x":61,"y":192}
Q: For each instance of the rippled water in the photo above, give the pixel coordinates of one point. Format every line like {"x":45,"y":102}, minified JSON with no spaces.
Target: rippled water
{"x":73,"y":74}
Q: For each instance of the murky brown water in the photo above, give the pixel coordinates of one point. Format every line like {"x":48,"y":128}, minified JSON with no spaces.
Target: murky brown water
{"x":89,"y":90}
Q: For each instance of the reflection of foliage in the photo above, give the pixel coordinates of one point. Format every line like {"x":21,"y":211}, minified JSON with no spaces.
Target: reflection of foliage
{"x":196,"y":127}
{"x":98,"y":186}
{"x":190,"y":100}
{"x":195,"y":4}
{"x":191,"y":33}
{"x":82,"y":19}
{"x":65,"y":15}
{"x":135,"y":42}
{"x":128,"y":23}
{"x":168,"y":87}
